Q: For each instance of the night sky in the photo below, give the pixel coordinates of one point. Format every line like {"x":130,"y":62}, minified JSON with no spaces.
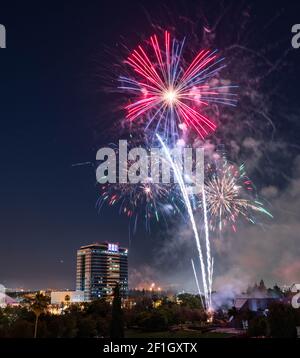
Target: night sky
{"x":52,"y":109}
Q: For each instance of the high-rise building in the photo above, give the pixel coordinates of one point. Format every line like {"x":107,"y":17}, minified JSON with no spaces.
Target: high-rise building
{"x":99,"y":268}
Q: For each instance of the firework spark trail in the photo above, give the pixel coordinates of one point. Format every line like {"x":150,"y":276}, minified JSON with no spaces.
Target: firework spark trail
{"x":212,"y":273}
{"x":197,"y":282}
{"x":188,"y":205}
{"x":208,"y":251}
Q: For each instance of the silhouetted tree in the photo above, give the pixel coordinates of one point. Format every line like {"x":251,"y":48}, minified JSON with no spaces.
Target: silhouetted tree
{"x":38,"y":306}
{"x":21,"y":329}
{"x":144,"y":304}
{"x":154,"y":321}
{"x":249,"y":290}
{"x":69,"y":325}
{"x":87,"y":327}
{"x":232,"y":312}
{"x":98,"y":308}
{"x":282,"y":320}
{"x":277,"y":290}
{"x":117,"y":320}
{"x":262,"y":286}
{"x":258,"y":326}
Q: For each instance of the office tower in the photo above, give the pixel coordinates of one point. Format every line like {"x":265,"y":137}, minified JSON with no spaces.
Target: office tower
{"x":99,"y":268}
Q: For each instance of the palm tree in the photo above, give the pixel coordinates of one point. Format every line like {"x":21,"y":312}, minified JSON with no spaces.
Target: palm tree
{"x":67,"y":299}
{"x":38,"y":306}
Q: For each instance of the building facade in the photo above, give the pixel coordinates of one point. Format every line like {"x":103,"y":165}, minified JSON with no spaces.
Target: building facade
{"x":66,"y":297}
{"x":99,"y":268}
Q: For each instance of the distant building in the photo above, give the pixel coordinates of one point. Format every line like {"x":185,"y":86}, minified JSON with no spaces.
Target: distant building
{"x":65,"y":297}
{"x":99,"y":268}
{"x":253,"y":304}
{"x":6,"y":300}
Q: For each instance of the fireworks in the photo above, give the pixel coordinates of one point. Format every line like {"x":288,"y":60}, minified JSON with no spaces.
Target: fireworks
{"x":231,"y":194}
{"x":145,"y":200}
{"x":168,"y":93}
{"x":206,"y":269}
{"x":172,"y":97}
{"x":142,"y":200}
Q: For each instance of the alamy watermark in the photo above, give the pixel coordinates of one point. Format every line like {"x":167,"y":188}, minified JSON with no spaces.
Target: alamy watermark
{"x":296,"y":298}
{"x":296,"y":36}
{"x":2,"y":36}
{"x":140,"y":165}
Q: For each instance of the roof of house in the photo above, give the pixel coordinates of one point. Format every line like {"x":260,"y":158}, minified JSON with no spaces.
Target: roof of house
{"x":239,"y":302}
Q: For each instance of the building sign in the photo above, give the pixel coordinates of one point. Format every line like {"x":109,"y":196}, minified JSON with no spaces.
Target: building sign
{"x":113,"y":247}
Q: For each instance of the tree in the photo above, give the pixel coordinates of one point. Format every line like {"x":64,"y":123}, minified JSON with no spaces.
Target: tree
{"x":249,"y":290}
{"x":232,"y":312}
{"x":98,"y":307}
{"x":100,"y":311}
{"x":189,"y":300}
{"x":277,"y":291}
{"x":87,"y":327}
{"x":21,"y":329}
{"x":262,"y":286}
{"x":117,"y":321}
{"x":144,"y":304}
{"x":4,"y":324}
{"x":154,"y":321}
{"x":38,"y":307}
{"x":68,"y":325}
{"x":258,"y":326}
{"x":282,"y":320}
{"x":67,"y":299}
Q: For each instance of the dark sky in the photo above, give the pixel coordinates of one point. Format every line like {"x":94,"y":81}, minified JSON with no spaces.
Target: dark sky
{"x":50,"y":106}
